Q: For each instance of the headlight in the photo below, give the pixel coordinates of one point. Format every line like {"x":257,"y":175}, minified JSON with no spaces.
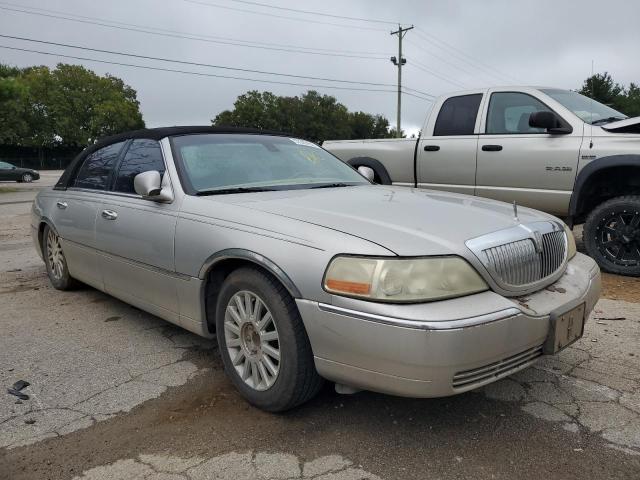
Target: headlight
{"x":402,"y":280}
{"x":571,"y":243}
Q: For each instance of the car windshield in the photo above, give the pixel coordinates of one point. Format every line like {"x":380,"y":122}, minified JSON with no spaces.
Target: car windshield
{"x":230,"y":163}
{"x":587,"y":109}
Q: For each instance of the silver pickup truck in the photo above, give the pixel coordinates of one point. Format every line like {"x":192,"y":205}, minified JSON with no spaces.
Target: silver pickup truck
{"x":547,"y":148}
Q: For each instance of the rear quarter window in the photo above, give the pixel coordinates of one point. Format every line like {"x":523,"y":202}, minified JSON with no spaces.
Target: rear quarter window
{"x":458,"y":115}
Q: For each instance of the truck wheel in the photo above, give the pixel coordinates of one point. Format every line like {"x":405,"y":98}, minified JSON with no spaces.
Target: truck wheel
{"x":612,"y":235}
{"x":263,"y":343}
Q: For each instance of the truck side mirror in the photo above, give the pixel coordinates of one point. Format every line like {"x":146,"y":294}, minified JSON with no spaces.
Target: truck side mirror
{"x":550,"y":121}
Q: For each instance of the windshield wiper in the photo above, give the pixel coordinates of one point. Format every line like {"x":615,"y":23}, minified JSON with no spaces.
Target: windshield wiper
{"x":224,"y":191}
{"x":606,"y":120}
{"x":333,"y":185}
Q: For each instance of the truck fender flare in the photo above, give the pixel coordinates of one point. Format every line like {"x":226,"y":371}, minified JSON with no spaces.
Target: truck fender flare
{"x":374,"y":164}
{"x":592,"y":168}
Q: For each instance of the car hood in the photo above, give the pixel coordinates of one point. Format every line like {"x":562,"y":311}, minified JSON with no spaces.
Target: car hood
{"x":628,"y":125}
{"x":404,"y":220}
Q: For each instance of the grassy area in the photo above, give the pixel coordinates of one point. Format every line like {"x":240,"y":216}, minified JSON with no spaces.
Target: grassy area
{"x":9,"y":189}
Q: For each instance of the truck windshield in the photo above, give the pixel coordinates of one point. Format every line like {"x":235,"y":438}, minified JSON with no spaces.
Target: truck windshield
{"x":239,"y":163}
{"x":587,"y":109}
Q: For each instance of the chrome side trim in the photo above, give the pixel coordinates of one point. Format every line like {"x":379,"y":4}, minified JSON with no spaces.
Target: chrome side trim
{"x":146,"y":266}
{"x":420,"y":325}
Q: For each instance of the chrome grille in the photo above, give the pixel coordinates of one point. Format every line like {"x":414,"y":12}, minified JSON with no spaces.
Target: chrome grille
{"x":501,"y":368}
{"x":519,"y":263}
{"x":524,"y":256}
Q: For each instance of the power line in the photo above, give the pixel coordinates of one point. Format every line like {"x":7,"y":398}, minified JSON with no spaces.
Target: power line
{"x":313,"y":13}
{"x":444,"y":60}
{"x":420,"y":66}
{"x":197,"y":37}
{"x":199,"y":74}
{"x":197,"y":64}
{"x":464,"y":56}
{"x":253,"y":12}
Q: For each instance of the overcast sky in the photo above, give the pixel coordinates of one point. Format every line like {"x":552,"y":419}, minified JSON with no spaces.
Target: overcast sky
{"x":485,"y":43}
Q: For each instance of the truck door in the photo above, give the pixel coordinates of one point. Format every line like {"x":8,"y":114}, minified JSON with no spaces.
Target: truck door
{"x":520,"y":163}
{"x":446,"y":156}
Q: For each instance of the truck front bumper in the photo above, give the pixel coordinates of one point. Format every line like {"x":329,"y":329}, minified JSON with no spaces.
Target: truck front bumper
{"x":431,"y":350}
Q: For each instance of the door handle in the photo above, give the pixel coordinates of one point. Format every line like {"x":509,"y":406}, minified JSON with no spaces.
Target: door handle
{"x":431,"y":148}
{"x":109,"y":214}
{"x":62,"y":205}
{"x":491,"y":148}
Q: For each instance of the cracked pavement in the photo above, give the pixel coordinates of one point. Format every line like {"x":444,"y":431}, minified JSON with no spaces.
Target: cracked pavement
{"x":118,"y":393}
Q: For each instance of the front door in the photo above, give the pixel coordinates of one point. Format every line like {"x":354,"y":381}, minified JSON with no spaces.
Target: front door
{"x":524,"y":164}
{"x":135,"y":237}
{"x":6,"y":171}
{"x":446,"y":158}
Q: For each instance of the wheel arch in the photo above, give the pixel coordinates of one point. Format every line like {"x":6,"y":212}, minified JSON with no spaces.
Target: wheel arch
{"x":44,"y":222}
{"x":219,"y":265}
{"x":376,"y":165}
{"x":602,"y":179}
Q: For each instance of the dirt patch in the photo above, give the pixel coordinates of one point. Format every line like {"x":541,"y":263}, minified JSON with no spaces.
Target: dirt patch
{"x":617,"y":287}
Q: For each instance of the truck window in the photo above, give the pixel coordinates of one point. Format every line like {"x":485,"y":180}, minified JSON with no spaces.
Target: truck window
{"x":509,"y":113}
{"x":458,"y":115}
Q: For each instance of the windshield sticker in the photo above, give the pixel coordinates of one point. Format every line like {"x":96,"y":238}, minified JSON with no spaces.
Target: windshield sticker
{"x":305,"y":143}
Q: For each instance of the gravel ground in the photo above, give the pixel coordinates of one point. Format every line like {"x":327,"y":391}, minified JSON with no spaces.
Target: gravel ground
{"x":117,"y":393}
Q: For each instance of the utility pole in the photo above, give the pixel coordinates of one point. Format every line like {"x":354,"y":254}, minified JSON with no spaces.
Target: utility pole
{"x":401,"y":32}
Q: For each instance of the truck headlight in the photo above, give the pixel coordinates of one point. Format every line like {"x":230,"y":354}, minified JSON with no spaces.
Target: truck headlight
{"x":402,"y":280}
{"x":571,"y":243}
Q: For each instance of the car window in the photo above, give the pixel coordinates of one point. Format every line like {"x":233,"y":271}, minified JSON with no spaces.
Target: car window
{"x":96,"y":169}
{"x":142,"y":155}
{"x":220,"y":161}
{"x":5,"y":165}
{"x":509,"y":113}
{"x":458,"y":115}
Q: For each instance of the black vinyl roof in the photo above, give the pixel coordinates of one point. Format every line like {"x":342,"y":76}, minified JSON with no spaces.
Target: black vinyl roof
{"x":153,"y":134}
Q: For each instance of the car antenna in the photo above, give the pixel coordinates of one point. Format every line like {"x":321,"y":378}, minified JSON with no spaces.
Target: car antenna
{"x":591,"y":109}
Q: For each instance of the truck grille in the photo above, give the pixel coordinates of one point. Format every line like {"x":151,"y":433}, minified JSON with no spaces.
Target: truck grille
{"x":501,"y":368}
{"x":520,"y":263}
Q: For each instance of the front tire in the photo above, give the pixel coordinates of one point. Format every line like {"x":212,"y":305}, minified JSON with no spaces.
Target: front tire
{"x":612,"y":235}
{"x":26,"y":178}
{"x":56,"y":262}
{"x":264,"y":347}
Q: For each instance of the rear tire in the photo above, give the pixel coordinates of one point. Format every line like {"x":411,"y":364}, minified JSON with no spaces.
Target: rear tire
{"x":612,"y":235}
{"x":245,"y":338}
{"x":56,"y":262}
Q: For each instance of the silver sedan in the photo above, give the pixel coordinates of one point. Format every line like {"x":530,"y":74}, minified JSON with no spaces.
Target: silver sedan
{"x":303,"y":270}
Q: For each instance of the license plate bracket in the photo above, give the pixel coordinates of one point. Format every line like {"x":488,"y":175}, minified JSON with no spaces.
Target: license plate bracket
{"x":565,"y":328}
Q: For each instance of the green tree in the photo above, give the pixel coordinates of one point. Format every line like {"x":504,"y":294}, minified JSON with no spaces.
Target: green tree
{"x":69,"y":105}
{"x":601,"y":87}
{"x":312,"y":115}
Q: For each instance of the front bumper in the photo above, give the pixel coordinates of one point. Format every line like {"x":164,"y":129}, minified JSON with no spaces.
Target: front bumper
{"x":439,"y":349}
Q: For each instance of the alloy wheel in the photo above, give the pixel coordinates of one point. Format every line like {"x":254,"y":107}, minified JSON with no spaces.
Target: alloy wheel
{"x":252,"y":340}
{"x":27,"y":178}
{"x":618,"y":238}
{"x":54,"y":255}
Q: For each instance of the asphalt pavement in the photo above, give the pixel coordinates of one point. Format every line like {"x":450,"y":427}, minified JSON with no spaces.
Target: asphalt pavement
{"x":116,"y":393}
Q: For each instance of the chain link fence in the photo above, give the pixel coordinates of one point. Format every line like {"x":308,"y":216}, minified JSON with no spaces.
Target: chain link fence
{"x":38,"y":158}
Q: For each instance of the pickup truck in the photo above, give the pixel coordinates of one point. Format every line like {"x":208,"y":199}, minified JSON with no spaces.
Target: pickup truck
{"x":546,"y":148}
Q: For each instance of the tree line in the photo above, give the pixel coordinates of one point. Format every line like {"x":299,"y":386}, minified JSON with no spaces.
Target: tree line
{"x":71,"y":106}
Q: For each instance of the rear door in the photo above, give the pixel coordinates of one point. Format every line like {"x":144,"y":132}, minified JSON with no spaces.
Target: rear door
{"x":520,"y":163}
{"x":446,"y":156}
{"x":75,"y":210}
{"x":135,"y":236}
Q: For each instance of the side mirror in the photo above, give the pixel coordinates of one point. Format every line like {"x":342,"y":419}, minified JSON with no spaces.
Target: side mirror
{"x":150,"y":186}
{"x":551,"y":122}
{"x":367,"y":172}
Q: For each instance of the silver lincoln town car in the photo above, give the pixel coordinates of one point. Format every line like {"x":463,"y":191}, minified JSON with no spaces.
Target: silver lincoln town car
{"x":303,"y":270}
